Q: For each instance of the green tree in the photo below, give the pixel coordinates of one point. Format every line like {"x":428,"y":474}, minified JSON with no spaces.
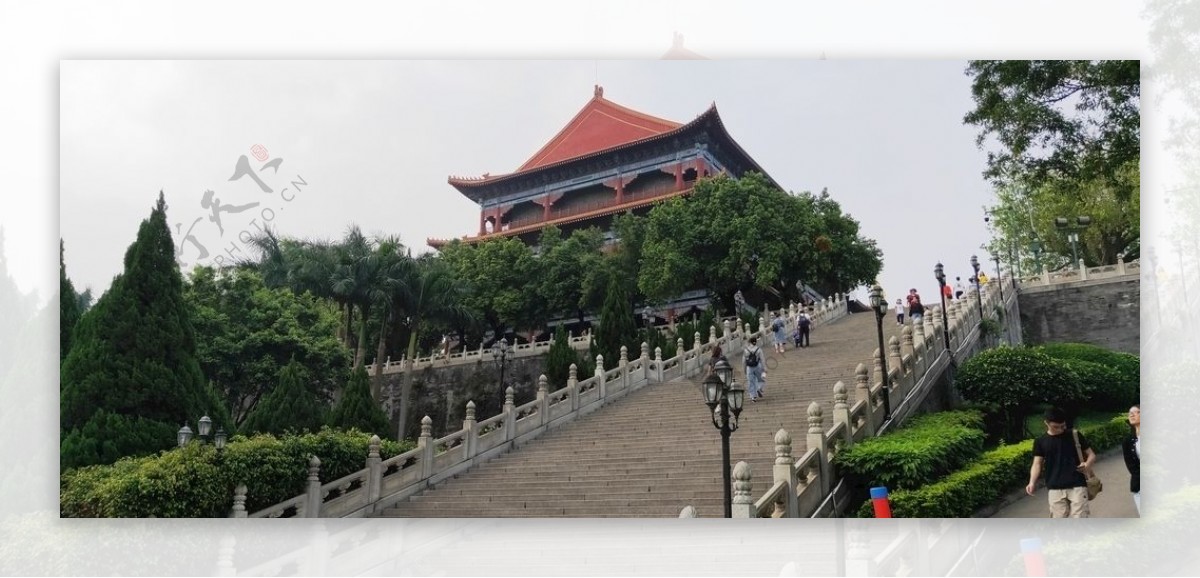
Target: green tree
{"x":357,"y":410}
{"x":131,"y":377}
{"x":501,"y":276}
{"x":559,"y":359}
{"x":1011,"y":380}
{"x":1070,"y":121}
{"x":617,"y":327}
{"x":735,"y":234}
{"x":68,"y":306}
{"x":291,"y":406}
{"x":566,"y":265}
{"x":247,"y":332}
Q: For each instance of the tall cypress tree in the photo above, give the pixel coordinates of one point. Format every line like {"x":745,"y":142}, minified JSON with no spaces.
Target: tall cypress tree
{"x":68,"y":307}
{"x":291,"y":406}
{"x":617,"y":326}
{"x":131,"y":378}
{"x":357,"y":409}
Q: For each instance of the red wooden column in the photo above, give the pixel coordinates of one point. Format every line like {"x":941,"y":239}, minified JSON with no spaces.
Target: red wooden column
{"x":547,"y":201}
{"x":679,"y":177}
{"x":617,"y":184}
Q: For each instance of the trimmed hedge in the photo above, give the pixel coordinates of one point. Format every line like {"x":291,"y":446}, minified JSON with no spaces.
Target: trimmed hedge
{"x":192,"y":482}
{"x":1013,"y":379}
{"x":1115,"y":391}
{"x":985,"y":480}
{"x":928,"y":447}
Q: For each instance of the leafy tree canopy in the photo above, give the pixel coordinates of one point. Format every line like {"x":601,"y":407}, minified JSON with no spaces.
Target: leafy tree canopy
{"x":246,"y":333}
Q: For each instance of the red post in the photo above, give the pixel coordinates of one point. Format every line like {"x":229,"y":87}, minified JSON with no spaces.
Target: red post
{"x":1031,"y":550}
{"x":879,"y":498}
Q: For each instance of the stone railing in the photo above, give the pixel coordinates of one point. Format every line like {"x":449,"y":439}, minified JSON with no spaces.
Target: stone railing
{"x":1083,"y":273}
{"x":383,"y":483}
{"x":810,"y":486}
{"x":580,"y":343}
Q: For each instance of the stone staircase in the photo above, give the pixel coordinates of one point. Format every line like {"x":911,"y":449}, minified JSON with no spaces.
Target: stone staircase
{"x":655,"y":451}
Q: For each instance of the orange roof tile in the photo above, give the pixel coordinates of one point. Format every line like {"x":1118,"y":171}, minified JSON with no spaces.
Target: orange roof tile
{"x":601,"y":124}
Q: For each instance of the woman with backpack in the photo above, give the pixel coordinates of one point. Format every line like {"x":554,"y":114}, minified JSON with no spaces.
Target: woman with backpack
{"x":778,"y":332}
{"x":754,"y":369}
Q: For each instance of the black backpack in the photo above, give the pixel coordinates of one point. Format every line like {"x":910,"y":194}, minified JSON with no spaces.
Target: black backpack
{"x":805,"y":321}
{"x":752,"y":358}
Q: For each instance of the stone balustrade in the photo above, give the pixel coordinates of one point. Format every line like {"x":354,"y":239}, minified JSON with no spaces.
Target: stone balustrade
{"x":580,"y":343}
{"x":1081,"y":272}
{"x":805,"y":487}
{"x":382,"y":483}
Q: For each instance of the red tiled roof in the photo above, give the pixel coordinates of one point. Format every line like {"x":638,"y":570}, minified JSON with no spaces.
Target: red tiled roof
{"x":602,"y":124}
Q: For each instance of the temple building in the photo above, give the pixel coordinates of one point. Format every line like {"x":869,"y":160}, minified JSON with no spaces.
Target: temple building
{"x":607,"y":160}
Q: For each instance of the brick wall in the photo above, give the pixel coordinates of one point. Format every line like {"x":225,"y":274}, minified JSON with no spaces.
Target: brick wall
{"x":1104,"y":312}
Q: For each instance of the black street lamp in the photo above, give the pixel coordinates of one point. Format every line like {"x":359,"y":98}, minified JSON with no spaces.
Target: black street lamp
{"x":721,"y":390}
{"x":648,"y":319}
{"x":880,"y":306}
{"x":940,"y":273}
{"x":999,"y":281}
{"x":978,"y":285}
{"x":205,"y":425}
{"x":500,"y":356}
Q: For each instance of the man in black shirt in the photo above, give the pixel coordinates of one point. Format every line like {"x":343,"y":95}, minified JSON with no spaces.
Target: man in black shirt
{"x":1065,"y":481}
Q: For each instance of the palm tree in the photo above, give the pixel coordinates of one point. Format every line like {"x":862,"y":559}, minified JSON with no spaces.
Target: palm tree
{"x":434,"y":294}
{"x":395,"y":274}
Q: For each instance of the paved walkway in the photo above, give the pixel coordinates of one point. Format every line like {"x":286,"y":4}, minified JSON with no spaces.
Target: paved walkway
{"x":1114,"y":502}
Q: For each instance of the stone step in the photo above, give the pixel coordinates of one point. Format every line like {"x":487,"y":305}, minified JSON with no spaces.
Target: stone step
{"x":654,"y":451}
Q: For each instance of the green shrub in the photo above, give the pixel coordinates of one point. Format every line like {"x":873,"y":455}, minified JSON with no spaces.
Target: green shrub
{"x":358,"y":409}
{"x":1013,"y":379}
{"x":995,"y":473}
{"x":1118,"y":393}
{"x":194,"y":482}
{"x":927,"y":448}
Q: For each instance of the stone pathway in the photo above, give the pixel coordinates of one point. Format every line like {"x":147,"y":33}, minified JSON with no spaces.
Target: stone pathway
{"x":1114,"y":502}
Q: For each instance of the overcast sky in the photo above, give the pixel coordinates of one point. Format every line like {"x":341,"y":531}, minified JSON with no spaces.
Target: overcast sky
{"x":375,"y":141}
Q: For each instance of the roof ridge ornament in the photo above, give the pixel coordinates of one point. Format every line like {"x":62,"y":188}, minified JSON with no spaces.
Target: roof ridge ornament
{"x":597,"y":91}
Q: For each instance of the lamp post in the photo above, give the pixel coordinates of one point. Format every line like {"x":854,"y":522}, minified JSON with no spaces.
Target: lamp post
{"x":978,"y":296}
{"x":800,"y":291}
{"x":940,"y":274}
{"x":185,"y":435}
{"x":500,"y":356}
{"x":999,"y":280}
{"x":880,"y":306}
{"x":648,"y":319}
{"x":1081,"y":223}
{"x":724,"y":400}
{"x":739,"y":303}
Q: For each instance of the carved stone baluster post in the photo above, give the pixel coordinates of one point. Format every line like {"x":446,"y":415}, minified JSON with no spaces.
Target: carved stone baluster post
{"x":712,"y":334}
{"x":374,"y":471}
{"x":510,"y":414}
{"x":658,"y":364}
{"x":624,"y":365}
{"x":785,"y":471}
{"x":313,"y":498}
{"x":1120,"y":263}
{"x":425,"y":442}
{"x":601,"y":383}
{"x":841,"y":412}
{"x":697,"y":363}
{"x":816,"y":439}
{"x":543,"y":398}
{"x":743,"y":502}
{"x":470,"y":432}
{"x":895,"y":361}
{"x":239,"y":501}
{"x":573,"y":386}
{"x":955,"y":338}
{"x":862,"y":392}
{"x":645,"y":362}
